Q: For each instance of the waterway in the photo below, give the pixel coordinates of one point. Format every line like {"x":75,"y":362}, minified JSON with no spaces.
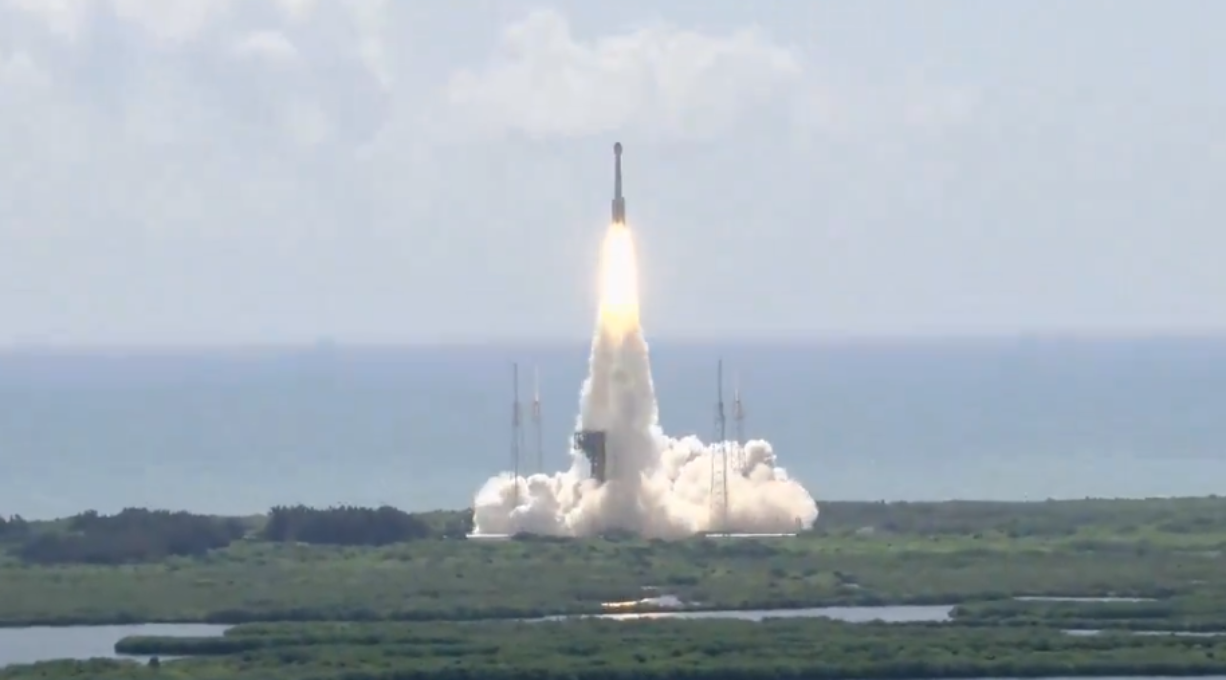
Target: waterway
{"x":1049,"y":598}
{"x":1175,"y":633}
{"x":47,"y":643}
{"x":888,"y":614}
{"x":30,"y":645}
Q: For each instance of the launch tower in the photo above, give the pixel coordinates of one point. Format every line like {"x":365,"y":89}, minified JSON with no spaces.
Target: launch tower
{"x":592,"y":444}
{"x":517,"y":432}
{"x":719,"y":458}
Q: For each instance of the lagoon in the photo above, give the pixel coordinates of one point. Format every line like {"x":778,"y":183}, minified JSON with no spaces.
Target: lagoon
{"x":47,"y":643}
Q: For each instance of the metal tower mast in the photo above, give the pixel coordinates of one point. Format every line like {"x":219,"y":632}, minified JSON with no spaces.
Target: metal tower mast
{"x":536,"y":419}
{"x":719,"y":459}
{"x":517,"y":431}
{"x":738,"y":418}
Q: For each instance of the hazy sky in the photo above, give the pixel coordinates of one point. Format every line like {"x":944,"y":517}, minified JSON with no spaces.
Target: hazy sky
{"x":234,"y":171}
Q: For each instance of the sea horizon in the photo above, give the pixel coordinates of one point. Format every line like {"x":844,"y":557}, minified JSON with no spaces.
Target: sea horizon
{"x":824,"y":339}
{"x":237,"y":429}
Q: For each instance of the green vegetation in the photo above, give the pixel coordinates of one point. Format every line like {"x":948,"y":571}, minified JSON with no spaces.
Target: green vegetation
{"x":346,"y":593}
{"x":137,"y":535}
{"x":299,"y":564}
{"x":1202,"y":613}
{"x":132,"y":535}
{"x":1126,"y":520}
{"x":352,"y":526}
{"x":13,"y":528}
{"x":648,"y":649}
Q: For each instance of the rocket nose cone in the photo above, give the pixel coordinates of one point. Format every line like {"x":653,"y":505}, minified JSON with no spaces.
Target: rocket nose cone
{"x":617,"y":148}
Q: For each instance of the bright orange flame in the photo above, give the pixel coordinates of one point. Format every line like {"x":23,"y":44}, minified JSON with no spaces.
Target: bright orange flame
{"x":619,"y":282}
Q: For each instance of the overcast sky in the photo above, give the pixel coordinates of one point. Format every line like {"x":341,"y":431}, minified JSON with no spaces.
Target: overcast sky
{"x":273,"y":171}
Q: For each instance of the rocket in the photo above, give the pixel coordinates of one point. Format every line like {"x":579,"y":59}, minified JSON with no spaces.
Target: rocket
{"x":619,"y":202}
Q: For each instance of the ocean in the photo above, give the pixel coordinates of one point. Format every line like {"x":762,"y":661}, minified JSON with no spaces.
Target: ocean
{"x":237,"y":431}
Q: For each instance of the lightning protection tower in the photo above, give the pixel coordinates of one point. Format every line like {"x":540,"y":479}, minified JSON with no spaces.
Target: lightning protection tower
{"x":517,"y":430}
{"x":738,"y":419}
{"x":719,"y":459}
{"x":536,"y":420}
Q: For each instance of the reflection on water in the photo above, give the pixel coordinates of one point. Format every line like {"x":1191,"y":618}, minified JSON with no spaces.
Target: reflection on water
{"x":1045,"y":598}
{"x":1082,"y":632}
{"x":1179,"y":633}
{"x":895,"y":614}
{"x":666,"y":601}
{"x":47,"y":643}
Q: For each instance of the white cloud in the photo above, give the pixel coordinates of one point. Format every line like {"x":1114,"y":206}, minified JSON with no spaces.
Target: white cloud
{"x":936,"y":106}
{"x":66,"y":18}
{"x":19,"y":70}
{"x":296,"y":9}
{"x":369,"y":18}
{"x":272,"y":45}
{"x":167,"y":20}
{"x":153,"y":148}
{"x":171,"y":20}
{"x":307,"y":123}
{"x":543,"y":81}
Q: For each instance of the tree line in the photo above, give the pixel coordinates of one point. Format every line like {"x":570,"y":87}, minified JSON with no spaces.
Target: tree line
{"x":143,"y":535}
{"x":344,"y":525}
{"x":13,"y":527}
{"x":1046,"y":519}
{"x":132,"y":535}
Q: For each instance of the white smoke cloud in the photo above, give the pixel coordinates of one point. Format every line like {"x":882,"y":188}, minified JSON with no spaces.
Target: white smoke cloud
{"x":657,"y":486}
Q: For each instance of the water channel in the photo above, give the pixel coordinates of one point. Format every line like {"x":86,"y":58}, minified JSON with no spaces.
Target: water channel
{"x":46,"y":643}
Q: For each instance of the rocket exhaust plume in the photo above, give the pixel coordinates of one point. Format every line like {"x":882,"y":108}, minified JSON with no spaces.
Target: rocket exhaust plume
{"x":654,"y":485}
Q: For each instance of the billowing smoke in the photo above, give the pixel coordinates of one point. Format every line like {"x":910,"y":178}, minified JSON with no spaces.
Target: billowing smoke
{"x":656,"y":486}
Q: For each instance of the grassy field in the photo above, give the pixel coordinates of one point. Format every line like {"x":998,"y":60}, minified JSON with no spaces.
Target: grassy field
{"x":647,"y":649}
{"x":860,"y":553}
